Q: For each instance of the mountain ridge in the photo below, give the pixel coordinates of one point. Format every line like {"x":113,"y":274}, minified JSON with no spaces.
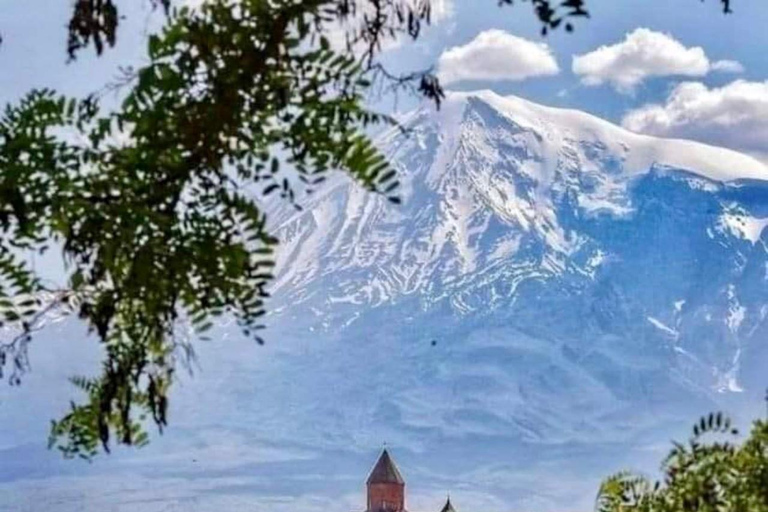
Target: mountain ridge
{"x":718,"y":162}
{"x":604,"y":194}
{"x":539,"y":289}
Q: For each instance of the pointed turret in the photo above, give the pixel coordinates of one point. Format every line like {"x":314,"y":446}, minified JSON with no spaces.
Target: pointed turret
{"x":448,"y":507}
{"x":385,"y":471}
{"x":386,"y":487}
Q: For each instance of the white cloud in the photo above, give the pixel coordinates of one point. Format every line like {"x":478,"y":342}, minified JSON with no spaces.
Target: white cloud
{"x":643,"y":54}
{"x":735,"y":115}
{"x":496,"y":55}
{"x":728,"y":66}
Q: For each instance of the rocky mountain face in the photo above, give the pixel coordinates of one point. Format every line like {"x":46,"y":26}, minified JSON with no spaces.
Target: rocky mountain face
{"x":549,"y":280}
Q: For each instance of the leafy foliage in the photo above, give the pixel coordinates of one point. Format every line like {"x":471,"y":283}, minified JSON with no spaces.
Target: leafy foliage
{"x":711,"y":473}
{"x":149,"y":202}
{"x":96,"y":21}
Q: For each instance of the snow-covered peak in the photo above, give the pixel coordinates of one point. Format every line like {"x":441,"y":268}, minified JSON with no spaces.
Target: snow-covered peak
{"x":495,"y":185}
{"x":639,"y":152}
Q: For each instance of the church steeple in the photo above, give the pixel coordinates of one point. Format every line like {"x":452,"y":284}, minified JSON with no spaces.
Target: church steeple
{"x":386,"y":487}
{"x":385,"y":471}
{"x":448,"y":507}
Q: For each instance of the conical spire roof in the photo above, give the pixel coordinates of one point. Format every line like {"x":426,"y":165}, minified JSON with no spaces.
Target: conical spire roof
{"x":385,"y":471}
{"x":448,"y":506}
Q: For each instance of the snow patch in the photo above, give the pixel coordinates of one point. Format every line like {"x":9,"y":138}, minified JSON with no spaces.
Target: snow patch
{"x":742,"y":225}
{"x":505,"y":248}
{"x":663,"y":327}
{"x":728,"y":381}
{"x":736,"y":312}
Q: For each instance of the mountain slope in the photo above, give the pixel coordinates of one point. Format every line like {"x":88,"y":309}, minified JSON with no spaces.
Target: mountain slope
{"x":493,"y":183}
{"x":550,"y":280}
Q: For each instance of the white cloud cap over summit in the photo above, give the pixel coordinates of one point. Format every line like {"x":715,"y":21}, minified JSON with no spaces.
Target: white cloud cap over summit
{"x":735,"y":115}
{"x":495,"y":55}
{"x":642,"y":54}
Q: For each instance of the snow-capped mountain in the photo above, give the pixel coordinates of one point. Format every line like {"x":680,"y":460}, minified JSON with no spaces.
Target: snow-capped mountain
{"x":554,"y":300}
{"x":549,"y":280}
{"x":557,"y":222}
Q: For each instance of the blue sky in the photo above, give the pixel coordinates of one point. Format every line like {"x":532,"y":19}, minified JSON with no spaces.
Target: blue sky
{"x":33,"y":55}
{"x":688,"y":92}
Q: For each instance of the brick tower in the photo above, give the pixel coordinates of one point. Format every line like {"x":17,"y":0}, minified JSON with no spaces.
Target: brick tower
{"x":386,"y":487}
